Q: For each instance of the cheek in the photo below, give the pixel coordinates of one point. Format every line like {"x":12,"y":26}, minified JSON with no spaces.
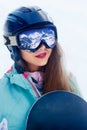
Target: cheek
{"x":27,"y":58}
{"x":50,"y":51}
{"x":26,"y":55}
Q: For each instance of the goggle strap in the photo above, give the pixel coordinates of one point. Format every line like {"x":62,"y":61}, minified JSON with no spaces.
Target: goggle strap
{"x":10,"y":41}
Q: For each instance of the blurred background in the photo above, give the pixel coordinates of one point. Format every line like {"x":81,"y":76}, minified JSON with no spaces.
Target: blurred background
{"x":70,"y":17}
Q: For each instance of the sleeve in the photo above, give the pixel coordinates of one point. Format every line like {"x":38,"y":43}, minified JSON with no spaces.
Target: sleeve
{"x":73,"y":84}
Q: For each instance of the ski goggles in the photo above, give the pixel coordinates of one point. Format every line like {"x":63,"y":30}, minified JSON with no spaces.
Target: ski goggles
{"x":31,"y":40}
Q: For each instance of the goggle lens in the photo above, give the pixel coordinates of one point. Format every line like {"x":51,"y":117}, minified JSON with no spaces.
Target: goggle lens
{"x":31,"y":39}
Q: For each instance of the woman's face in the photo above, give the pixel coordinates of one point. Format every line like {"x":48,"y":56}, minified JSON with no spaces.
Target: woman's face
{"x":36,"y":59}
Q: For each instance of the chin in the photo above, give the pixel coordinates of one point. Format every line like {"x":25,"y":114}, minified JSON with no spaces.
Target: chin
{"x":42,"y":63}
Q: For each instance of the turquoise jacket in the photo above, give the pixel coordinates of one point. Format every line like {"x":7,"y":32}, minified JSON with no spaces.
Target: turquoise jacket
{"x":17,"y":95}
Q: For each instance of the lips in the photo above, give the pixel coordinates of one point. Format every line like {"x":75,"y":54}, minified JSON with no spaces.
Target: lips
{"x":42,"y":55}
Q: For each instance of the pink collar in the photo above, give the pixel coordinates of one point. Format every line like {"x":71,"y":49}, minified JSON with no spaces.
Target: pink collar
{"x":38,"y":76}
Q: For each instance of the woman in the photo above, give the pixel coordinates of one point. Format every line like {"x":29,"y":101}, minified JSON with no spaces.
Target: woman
{"x":31,"y":37}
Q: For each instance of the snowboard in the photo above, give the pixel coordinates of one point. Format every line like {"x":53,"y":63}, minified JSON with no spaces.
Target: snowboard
{"x":58,"y":110}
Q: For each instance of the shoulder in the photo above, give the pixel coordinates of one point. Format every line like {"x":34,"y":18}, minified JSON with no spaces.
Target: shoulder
{"x":74,"y":84}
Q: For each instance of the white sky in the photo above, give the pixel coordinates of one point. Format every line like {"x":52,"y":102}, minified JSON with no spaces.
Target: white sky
{"x":70,"y":17}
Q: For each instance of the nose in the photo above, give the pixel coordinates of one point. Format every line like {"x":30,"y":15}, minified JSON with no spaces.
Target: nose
{"x":42,"y":44}
{"x":42,"y":47}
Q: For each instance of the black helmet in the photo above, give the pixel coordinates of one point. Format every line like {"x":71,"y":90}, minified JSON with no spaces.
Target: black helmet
{"x":21,"y":19}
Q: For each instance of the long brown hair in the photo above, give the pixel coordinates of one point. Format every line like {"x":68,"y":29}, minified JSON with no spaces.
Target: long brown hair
{"x":55,"y":77}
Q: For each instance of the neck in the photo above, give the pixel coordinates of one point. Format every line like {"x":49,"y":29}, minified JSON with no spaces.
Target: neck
{"x":32,"y":68}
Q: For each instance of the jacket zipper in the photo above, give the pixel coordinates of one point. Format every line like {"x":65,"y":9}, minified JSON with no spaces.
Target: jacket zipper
{"x":33,"y":86}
